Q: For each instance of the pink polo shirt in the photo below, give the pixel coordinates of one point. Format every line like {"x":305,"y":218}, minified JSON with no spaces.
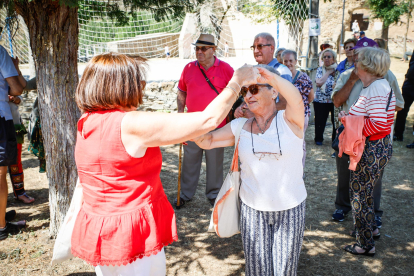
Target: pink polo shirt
{"x":199,"y":93}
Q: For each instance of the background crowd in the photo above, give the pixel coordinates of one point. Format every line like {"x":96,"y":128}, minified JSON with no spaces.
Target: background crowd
{"x":360,"y":95}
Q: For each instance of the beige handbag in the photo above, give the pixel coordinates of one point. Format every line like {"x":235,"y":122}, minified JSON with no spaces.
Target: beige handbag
{"x":63,"y":245}
{"x":225,"y":218}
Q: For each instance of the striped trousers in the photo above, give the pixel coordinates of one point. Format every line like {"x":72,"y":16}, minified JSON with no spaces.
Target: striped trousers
{"x":272,"y":240}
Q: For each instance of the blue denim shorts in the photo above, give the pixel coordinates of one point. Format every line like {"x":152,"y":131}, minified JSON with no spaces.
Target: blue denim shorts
{"x":8,"y":143}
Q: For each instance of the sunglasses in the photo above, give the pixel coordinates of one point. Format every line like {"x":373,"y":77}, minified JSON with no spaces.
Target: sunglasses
{"x":203,"y":49}
{"x":254,"y":89}
{"x":327,"y":57}
{"x":259,"y":46}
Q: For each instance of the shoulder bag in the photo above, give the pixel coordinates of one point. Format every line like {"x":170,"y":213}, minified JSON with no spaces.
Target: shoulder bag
{"x":225,"y":218}
{"x":230,"y":116}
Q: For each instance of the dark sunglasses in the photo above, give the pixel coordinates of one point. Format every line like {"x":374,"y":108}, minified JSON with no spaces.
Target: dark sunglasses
{"x":254,"y":89}
{"x":327,"y":57}
{"x":203,"y":49}
{"x":259,"y":46}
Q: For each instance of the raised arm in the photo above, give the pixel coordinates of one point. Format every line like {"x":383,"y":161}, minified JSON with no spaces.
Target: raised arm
{"x":294,"y":102}
{"x":145,"y":129}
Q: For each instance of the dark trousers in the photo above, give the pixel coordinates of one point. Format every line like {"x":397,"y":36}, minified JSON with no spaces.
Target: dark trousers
{"x":190,"y":172}
{"x":321,"y":115}
{"x":342,"y":201}
{"x":402,"y":115}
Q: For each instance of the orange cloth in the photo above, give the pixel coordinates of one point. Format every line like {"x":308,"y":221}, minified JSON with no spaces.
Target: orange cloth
{"x":351,"y":140}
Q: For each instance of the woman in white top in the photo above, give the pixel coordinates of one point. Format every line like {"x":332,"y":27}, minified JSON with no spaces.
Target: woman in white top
{"x":272,"y":190}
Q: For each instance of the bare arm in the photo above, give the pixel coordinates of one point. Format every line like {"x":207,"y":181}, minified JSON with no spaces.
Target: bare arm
{"x":144,"y":129}
{"x":181,"y":99}
{"x":15,"y":86}
{"x":311,"y":96}
{"x":342,"y":95}
{"x":219,"y":138}
{"x":294,"y":102}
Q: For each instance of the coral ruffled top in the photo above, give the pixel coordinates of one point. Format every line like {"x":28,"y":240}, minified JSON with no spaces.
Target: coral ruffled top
{"x":125,"y":214}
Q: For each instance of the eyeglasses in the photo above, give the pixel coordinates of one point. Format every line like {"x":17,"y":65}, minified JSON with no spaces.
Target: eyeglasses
{"x":259,"y":46}
{"x":272,"y":155}
{"x":254,"y":89}
{"x":329,"y":57}
{"x":203,"y":49}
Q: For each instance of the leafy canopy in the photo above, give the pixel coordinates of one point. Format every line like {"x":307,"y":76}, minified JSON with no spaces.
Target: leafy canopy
{"x":389,"y":11}
{"x":119,"y":10}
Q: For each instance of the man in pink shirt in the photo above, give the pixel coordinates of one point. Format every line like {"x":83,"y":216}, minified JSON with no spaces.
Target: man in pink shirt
{"x":201,"y":81}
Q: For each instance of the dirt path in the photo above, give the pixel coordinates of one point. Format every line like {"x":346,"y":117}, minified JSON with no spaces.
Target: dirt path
{"x":201,"y":253}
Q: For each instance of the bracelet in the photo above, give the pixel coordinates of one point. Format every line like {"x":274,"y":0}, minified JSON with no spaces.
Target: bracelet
{"x":235,"y":93}
{"x":237,"y":85}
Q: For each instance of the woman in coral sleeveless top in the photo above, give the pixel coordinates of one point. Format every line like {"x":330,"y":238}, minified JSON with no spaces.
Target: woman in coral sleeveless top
{"x":126,"y":219}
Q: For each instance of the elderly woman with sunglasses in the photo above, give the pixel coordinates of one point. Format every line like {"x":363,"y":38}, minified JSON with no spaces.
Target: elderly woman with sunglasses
{"x":272,"y":191}
{"x":325,"y":80}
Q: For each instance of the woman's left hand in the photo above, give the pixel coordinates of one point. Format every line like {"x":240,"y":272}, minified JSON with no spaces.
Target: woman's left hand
{"x":341,"y":115}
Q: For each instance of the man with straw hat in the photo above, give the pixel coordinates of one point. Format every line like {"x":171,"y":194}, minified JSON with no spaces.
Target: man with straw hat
{"x":201,"y":81}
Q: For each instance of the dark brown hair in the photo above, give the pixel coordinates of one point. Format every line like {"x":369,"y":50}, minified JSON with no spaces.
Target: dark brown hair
{"x":350,"y":40}
{"x":111,"y":81}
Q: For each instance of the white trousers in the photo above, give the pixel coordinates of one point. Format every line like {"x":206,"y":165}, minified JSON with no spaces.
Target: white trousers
{"x":147,"y":266}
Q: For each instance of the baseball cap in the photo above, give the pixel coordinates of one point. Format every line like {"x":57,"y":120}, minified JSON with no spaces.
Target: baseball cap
{"x":365,"y":42}
{"x":361,"y":32}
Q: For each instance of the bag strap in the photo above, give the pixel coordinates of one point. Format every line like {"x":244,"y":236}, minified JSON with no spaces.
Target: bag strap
{"x":235,"y":160}
{"x":389,"y":101}
{"x":208,"y":81}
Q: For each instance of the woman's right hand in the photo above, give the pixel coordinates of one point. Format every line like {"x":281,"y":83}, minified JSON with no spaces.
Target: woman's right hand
{"x":245,"y":75}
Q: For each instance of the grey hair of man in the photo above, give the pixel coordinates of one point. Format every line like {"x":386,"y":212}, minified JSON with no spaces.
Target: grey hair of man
{"x":287,"y":52}
{"x":278,"y":50}
{"x":266,"y":36}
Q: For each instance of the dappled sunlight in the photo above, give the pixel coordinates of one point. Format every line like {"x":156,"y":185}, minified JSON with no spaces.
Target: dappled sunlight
{"x":403,"y":187}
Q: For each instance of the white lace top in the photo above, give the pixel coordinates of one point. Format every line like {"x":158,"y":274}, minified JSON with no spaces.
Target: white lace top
{"x":270,"y":184}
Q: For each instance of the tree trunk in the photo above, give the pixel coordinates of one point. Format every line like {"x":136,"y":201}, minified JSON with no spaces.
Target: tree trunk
{"x":54,"y":42}
{"x":408,"y":25}
{"x":384,"y":34}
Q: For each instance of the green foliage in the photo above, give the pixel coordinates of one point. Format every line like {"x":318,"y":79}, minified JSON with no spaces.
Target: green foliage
{"x":291,"y":11}
{"x":389,"y":11}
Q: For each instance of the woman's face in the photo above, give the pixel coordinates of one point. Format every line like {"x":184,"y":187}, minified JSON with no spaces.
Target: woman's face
{"x":260,"y":101}
{"x":290,"y":61}
{"x":328,"y":59}
{"x":348,"y":49}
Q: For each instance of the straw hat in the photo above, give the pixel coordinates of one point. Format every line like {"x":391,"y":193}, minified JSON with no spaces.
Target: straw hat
{"x":205,"y":40}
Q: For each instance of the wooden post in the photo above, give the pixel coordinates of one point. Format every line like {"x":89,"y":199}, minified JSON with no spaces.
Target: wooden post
{"x":313,"y":57}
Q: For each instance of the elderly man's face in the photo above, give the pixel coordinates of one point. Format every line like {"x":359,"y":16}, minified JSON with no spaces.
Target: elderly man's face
{"x":205,"y":56}
{"x":265,"y":54}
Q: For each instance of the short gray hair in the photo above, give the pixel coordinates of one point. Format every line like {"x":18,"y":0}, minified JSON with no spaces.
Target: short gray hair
{"x":287,"y":52}
{"x":266,"y":36}
{"x":375,"y":61}
{"x":278,"y":50}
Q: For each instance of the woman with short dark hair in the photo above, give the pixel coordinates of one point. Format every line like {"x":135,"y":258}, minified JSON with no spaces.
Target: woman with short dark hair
{"x":126,"y":219}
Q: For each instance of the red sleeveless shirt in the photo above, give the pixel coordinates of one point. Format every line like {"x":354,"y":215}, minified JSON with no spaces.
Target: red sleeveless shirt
{"x":126,"y":214}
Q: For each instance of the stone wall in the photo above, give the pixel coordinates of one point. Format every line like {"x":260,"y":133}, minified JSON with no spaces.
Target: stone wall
{"x":158,"y":96}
